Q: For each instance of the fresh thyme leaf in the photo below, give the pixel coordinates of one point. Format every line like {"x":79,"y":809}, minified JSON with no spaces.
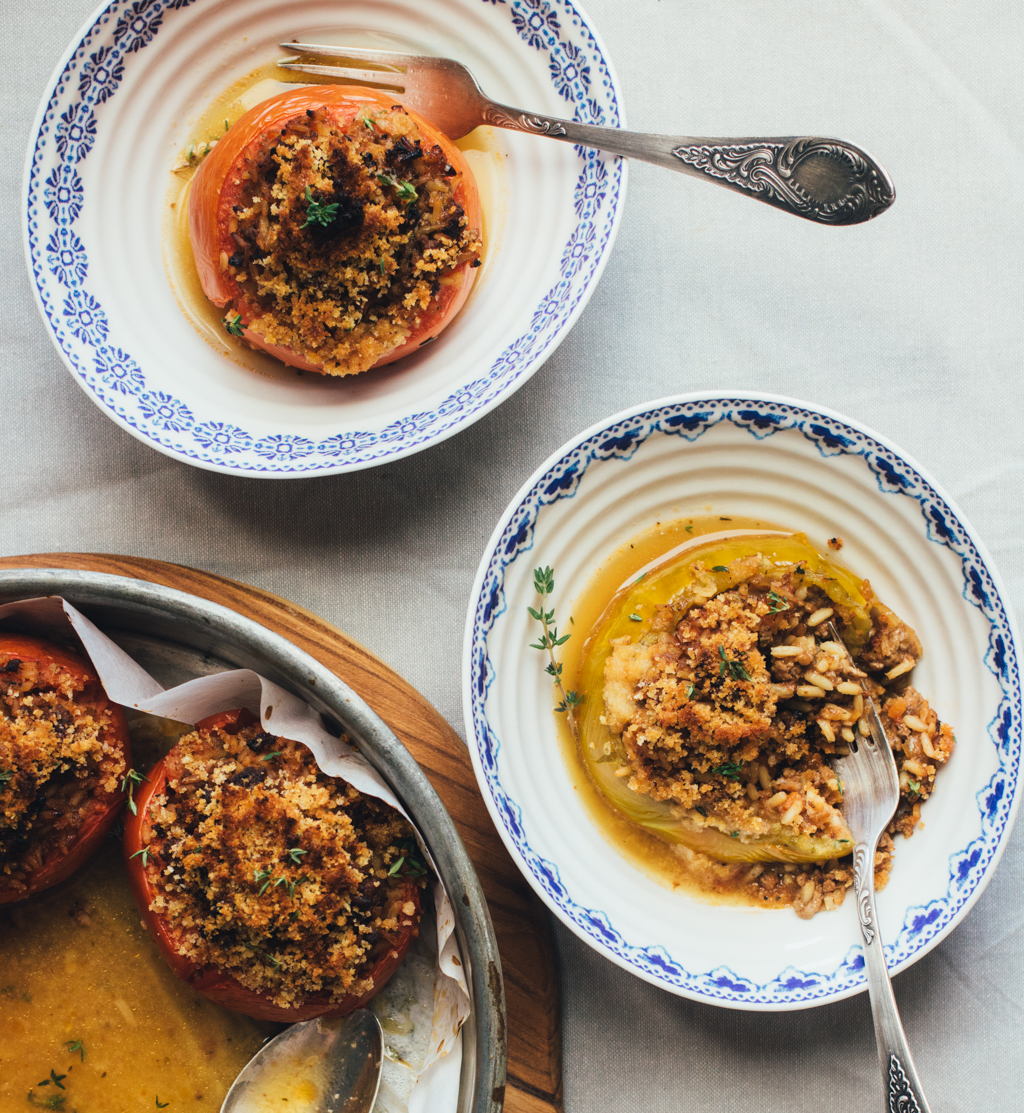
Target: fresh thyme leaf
{"x":164,"y":1104}
{"x":318,"y":213}
{"x":634,"y":617}
{"x":227,"y":124}
{"x":267,"y":757}
{"x":383,"y":268}
{"x":690,"y":689}
{"x":544,"y":585}
{"x":295,"y":853}
{"x":720,"y":568}
{"x":734,"y":835}
{"x":259,"y":875}
{"x":291,"y":888}
{"x":736,"y":669}
{"x":367,"y":121}
{"x":57,"y":1079}
{"x":274,"y":960}
{"x":6,"y":776}
{"x":132,"y":780}
{"x":145,"y":861}
{"x":689,"y":529}
{"x":730,"y":770}
{"x":396,"y":866}
{"x":780,"y":604}
{"x":75,"y":1045}
{"x":234,"y":324}
{"x":915,"y":787}
{"x":640,"y":577}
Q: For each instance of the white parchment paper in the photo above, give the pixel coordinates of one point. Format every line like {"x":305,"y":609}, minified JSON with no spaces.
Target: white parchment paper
{"x":128,"y":684}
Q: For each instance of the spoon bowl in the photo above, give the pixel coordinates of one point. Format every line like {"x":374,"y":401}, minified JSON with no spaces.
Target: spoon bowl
{"x":319,"y":1066}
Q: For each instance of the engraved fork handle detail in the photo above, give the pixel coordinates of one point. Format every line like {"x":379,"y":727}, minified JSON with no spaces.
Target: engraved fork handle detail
{"x":902,"y":1086}
{"x":825,"y":180}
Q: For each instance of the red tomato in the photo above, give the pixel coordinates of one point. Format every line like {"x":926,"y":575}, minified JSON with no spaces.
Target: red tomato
{"x":215,"y":984}
{"x":56,"y":667}
{"x":217,"y":187}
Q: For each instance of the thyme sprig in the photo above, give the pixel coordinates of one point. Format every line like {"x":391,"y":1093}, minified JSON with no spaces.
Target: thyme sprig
{"x":318,"y":213}
{"x":779,"y":604}
{"x":730,"y":770}
{"x":132,"y":779}
{"x":75,"y":1045}
{"x":406,"y":190}
{"x":234,"y":325}
{"x":736,"y":669}
{"x":145,"y":861}
{"x":544,"y":584}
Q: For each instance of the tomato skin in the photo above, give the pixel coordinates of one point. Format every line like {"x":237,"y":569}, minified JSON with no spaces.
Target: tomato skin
{"x":217,"y":186}
{"x":59,"y":662}
{"x":214,"y":984}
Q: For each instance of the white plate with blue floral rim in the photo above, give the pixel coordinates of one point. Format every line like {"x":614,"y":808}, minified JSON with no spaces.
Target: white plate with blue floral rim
{"x":808,"y":469}
{"x":113,"y":123}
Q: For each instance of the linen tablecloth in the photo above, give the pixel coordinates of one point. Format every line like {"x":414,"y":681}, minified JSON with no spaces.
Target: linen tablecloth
{"x":911,"y":324}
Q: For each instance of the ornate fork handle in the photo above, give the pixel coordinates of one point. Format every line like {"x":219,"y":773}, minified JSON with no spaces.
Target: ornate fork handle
{"x":902,"y":1086}
{"x":825,"y":180}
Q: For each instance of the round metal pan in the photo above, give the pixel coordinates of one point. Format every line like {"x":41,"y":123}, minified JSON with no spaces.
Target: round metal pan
{"x":176,"y":636}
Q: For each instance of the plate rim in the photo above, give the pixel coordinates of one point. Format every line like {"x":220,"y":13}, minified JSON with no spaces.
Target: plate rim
{"x":654,"y":409}
{"x":616,"y":169}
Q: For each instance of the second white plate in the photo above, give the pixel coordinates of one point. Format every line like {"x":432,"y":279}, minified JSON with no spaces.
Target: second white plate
{"x":806,"y":469}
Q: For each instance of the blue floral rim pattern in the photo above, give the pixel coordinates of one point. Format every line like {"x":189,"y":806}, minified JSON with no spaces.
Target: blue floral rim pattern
{"x":832,"y":437}
{"x":59,"y":263}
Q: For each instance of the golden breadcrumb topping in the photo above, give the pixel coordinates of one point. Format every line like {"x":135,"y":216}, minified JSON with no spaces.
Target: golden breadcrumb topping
{"x":270,"y":870}
{"x":53,"y":760}
{"x":730,"y":705}
{"x":343,"y":237}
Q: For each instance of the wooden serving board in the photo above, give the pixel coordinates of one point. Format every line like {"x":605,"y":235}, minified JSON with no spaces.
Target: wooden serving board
{"x":521,"y":922}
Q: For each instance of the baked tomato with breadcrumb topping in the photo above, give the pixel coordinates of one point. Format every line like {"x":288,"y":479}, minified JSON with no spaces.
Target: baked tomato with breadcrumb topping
{"x":338,"y":230}
{"x":64,"y":754}
{"x":270,"y":887}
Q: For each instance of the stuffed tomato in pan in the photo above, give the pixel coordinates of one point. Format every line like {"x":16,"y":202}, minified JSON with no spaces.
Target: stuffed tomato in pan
{"x":64,"y":754}
{"x":337,"y":230}
{"x":271,"y":888}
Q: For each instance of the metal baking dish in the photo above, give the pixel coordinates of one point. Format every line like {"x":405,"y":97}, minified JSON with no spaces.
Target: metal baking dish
{"x":176,"y":636}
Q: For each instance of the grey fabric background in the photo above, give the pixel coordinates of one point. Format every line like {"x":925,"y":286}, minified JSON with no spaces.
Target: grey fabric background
{"x":911,"y":324}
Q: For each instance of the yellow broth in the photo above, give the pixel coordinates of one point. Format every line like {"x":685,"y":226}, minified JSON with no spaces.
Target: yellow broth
{"x":81,"y":976}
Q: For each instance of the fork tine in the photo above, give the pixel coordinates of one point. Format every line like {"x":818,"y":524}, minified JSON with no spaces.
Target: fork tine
{"x":379,"y":77}
{"x":391,"y":58}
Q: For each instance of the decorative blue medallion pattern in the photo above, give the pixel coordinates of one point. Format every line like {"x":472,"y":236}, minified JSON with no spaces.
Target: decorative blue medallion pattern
{"x":93,"y":74}
{"x":762,"y":419}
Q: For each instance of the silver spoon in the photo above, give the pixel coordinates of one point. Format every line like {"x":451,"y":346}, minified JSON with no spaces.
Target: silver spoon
{"x":319,"y":1066}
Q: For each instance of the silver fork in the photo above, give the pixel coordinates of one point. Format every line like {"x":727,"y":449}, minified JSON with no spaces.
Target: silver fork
{"x":828,"y":181}
{"x":871,"y":791}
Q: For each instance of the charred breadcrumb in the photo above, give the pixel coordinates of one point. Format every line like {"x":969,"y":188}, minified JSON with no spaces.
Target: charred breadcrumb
{"x":271,"y":870}
{"x":53,"y":758}
{"x":731,"y":703}
{"x":344,"y":237}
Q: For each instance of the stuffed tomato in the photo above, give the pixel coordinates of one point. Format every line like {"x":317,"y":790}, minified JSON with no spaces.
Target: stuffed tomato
{"x":337,"y":230}
{"x":64,"y":754}
{"x":270,"y":887}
